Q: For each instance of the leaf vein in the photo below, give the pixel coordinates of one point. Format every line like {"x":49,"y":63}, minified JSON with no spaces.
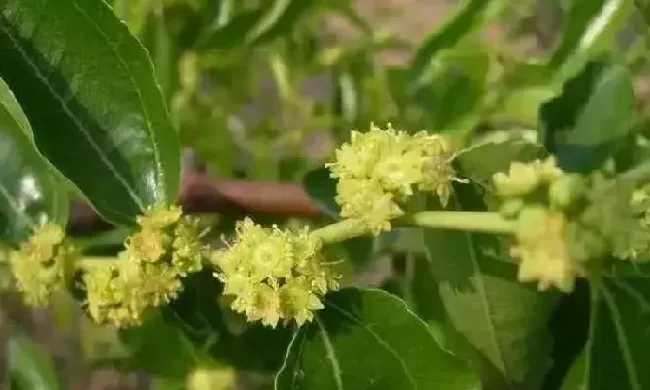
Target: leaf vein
{"x":379,"y":340}
{"x":66,"y":109}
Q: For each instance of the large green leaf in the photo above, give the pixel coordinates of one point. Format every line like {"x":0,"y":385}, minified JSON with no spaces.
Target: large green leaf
{"x":97,"y":113}
{"x":503,"y":322}
{"x":616,"y":354}
{"x":369,"y":339}
{"x":584,"y":125}
{"x":30,"y":193}
{"x":591,"y":29}
{"x":28,"y":366}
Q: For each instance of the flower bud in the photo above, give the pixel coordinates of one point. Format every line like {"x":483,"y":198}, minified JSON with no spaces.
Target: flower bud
{"x":521,"y":180}
{"x":550,"y":249}
{"x":565,"y":190}
{"x":511,"y":208}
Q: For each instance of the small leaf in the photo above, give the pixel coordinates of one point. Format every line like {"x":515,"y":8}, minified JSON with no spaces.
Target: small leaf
{"x":455,"y":92}
{"x":257,"y":26}
{"x":369,"y":339}
{"x":28,"y":366}
{"x":87,"y":86}
{"x":321,"y":188}
{"x":583,"y":125}
{"x":464,"y":22}
{"x":591,"y":30}
{"x":279,"y":17}
{"x":30,"y":193}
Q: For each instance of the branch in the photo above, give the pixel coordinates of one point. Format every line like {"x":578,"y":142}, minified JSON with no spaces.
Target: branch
{"x":201,"y":193}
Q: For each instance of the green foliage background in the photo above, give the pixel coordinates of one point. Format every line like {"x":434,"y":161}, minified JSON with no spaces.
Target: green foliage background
{"x":266,"y":90}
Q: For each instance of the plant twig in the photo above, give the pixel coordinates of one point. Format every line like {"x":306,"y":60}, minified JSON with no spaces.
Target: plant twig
{"x":201,"y":193}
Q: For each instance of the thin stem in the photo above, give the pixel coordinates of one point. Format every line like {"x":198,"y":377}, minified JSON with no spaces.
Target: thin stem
{"x":341,"y":231}
{"x":91,"y":262}
{"x":484,"y":222}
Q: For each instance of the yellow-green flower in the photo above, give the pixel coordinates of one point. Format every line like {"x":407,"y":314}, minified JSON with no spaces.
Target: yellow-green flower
{"x":274,"y":275}
{"x":378,"y":170}
{"x":524,"y":178}
{"x":549,"y":248}
{"x":147,"y":275}
{"x":43,"y":264}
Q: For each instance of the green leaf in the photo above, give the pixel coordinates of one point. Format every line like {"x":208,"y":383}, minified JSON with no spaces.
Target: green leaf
{"x":478,"y":162}
{"x":201,"y":313}
{"x":277,"y":18}
{"x":28,"y":366}
{"x":174,"y":358}
{"x":455,"y":92}
{"x":502,"y":321}
{"x":584,"y":125}
{"x":257,"y":26}
{"x":367,"y":339}
{"x":569,"y":327}
{"x":616,"y":353}
{"x":591,"y":29}
{"x":321,"y":189}
{"x":30,"y":193}
{"x":87,"y":86}
{"x":464,"y":22}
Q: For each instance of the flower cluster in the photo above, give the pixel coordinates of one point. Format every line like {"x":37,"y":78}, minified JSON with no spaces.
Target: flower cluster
{"x":43,"y":265}
{"x":379,"y":169}
{"x":274,"y":274}
{"x":552,"y":242}
{"x":148,"y":273}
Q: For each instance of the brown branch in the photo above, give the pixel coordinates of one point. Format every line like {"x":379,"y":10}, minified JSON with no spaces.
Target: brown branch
{"x":201,"y":193}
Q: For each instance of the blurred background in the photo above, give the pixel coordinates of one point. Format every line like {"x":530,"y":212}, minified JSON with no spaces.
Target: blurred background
{"x":265,"y":89}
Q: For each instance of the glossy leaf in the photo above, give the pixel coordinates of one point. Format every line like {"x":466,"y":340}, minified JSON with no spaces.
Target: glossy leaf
{"x":96,"y":111}
{"x":30,"y":193}
{"x":591,"y":29}
{"x":503,"y":321}
{"x":369,"y":339}
{"x":583,"y":125}
{"x":28,"y":367}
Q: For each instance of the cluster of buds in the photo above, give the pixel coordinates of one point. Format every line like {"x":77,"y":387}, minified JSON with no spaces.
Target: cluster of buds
{"x":553,"y":242}
{"x":274,"y":274}
{"x":378,"y":170}
{"x":148,"y":272}
{"x":43,"y":265}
